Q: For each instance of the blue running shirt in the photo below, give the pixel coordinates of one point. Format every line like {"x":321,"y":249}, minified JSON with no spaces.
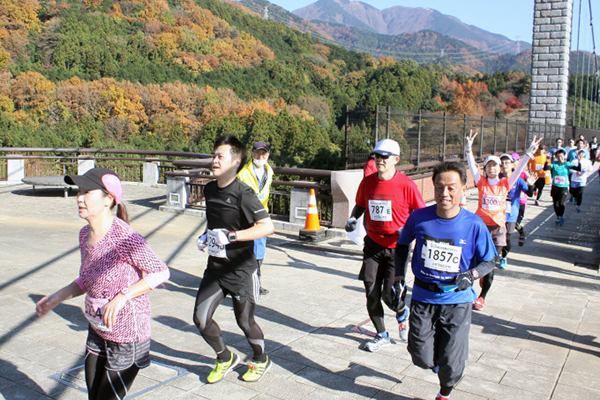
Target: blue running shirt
{"x":444,"y":248}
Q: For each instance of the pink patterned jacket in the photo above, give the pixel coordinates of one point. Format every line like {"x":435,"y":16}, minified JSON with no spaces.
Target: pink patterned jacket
{"x":115,"y":262}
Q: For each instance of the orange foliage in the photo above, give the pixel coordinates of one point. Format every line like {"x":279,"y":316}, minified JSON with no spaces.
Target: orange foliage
{"x":18,"y":14}
{"x":92,"y":3}
{"x":324,"y":72}
{"x":447,"y":85}
{"x":152,"y":9}
{"x":32,"y":90}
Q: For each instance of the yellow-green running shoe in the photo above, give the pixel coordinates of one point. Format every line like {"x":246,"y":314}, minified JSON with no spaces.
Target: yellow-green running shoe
{"x":256,"y":370}
{"x":222,"y":368}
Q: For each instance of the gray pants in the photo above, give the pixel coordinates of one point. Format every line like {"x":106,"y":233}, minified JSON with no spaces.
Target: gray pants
{"x":438,"y":335}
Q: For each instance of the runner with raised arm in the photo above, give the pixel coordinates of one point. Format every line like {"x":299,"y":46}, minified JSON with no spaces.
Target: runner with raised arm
{"x":492,"y":200}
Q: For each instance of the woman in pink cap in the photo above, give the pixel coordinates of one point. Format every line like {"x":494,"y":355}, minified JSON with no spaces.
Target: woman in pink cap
{"x":118,"y":268}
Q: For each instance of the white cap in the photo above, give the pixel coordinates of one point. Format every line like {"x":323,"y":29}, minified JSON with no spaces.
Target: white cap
{"x":507,"y":156}
{"x":387,"y":147}
{"x":492,"y":158}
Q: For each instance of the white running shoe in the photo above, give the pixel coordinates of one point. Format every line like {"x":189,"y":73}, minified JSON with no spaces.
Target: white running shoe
{"x":377,"y":343}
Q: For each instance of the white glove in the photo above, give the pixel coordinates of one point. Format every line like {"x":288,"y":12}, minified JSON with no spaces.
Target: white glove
{"x":532,"y":147}
{"x":535,"y":143}
{"x":221,"y":237}
{"x":469,"y":141}
{"x":201,"y":242}
{"x":350,"y":224}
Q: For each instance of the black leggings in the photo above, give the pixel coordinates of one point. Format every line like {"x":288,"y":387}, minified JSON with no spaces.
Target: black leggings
{"x":208,"y":299}
{"x":518,"y":225}
{"x":539,"y":186}
{"x":577,"y":193}
{"x":486,"y":281}
{"x":510,"y":227}
{"x":559,"y":199}
{"x":103,"y":384}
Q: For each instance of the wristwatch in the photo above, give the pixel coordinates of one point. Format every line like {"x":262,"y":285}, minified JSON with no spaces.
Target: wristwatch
{"x":232,"y":236}
{"x":127,"y":293}
{"x":475,"y":274}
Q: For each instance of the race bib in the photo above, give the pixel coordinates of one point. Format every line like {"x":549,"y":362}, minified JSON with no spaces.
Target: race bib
{"x":94,"y":310}
{"x":560,"y":180}
{"x":380,"y":210}
{"x":539,"y":167}
{"x":214,"y":249}
{"x":508,"y":205}
{"x":491,"y":203}
{"x":442,"y":257}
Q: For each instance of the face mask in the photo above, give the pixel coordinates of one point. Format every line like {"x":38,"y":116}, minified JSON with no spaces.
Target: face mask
{"x":259,"y":163}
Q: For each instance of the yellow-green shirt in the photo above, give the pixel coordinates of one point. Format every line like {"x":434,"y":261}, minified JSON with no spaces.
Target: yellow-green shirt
{"x":247,"y":176}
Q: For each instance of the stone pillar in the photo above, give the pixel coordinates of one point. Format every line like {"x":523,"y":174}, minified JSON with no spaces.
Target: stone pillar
{"x":344,"y":185}
{"x":177,"y":194}
{"x":151,"y":173}
{"x":299,"y":205}
{"x":84,"y":164}
{"x":15,"y":170}
{"x":550,"y":63}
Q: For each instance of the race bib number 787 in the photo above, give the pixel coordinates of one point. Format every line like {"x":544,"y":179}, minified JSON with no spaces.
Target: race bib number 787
{"x":380,"y":210}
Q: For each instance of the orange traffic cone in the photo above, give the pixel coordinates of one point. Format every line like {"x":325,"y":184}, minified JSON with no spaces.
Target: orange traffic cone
{"x":312,"y":214}
{"x":312,"y":229}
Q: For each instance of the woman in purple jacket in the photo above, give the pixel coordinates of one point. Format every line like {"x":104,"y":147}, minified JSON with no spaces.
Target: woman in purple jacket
{"x":118,"y":268}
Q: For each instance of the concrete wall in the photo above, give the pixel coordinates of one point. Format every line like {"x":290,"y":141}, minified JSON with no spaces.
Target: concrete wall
{"x":550,"y":62}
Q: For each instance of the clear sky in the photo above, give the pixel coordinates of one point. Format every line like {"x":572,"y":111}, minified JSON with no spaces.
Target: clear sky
{"x":511,"y":18}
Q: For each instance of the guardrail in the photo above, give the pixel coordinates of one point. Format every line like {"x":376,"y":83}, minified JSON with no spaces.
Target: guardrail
{"x":197,"y":174}
{"x":186,"y":174}
{"x":152,"y":167}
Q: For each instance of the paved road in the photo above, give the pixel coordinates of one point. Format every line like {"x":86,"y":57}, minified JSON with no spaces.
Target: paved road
{"x":536,"y":339}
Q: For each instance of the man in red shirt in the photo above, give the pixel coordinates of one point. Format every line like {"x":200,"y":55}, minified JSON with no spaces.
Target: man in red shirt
{"x":388,"y":197}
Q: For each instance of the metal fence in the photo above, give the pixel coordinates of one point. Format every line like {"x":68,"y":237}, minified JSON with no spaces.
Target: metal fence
{"x":428,"y":138}
{"x":128,"y":164}
{"x":285,"y":178}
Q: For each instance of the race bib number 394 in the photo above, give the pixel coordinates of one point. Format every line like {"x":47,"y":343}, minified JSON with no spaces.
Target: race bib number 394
{"x":214,"y":249}
{"x":442,"y":257}
{"x":380,"y":210}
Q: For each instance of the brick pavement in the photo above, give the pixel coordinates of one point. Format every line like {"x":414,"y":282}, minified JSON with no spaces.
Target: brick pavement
{"x":536,"y":339}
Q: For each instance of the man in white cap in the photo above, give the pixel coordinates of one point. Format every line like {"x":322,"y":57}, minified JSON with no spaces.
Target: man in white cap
{"x":388,"y":197}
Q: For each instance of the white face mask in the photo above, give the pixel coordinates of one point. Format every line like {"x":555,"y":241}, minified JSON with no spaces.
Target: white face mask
{"x":259,"y":163}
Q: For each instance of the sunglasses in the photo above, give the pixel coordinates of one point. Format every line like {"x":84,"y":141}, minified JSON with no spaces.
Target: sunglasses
{"x":382,"y":157}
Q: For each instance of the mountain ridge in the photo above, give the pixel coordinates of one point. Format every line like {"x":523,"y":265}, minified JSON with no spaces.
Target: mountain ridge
{"x":397,"y":20}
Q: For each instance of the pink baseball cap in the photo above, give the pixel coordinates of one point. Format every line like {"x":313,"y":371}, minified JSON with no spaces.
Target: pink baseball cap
{"x":98,"y":178}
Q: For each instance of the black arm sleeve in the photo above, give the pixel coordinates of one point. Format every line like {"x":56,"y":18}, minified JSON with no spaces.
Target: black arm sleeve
{"x":530,"y":190}
{"x":401,"y":257}
{"x":485,"y":267}
{"x":357,"y":212}
{"x":576,"y":167}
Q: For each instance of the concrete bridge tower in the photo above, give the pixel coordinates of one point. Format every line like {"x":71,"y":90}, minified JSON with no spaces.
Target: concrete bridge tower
{"x":550,"y":63}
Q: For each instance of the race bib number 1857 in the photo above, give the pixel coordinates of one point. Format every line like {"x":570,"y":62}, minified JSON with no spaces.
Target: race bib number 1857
{"x":380,"y":210}
{"x":442,"y":257}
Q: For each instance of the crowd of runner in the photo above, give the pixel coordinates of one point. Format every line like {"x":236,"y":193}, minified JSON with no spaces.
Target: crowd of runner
{"x":452,"y":248}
